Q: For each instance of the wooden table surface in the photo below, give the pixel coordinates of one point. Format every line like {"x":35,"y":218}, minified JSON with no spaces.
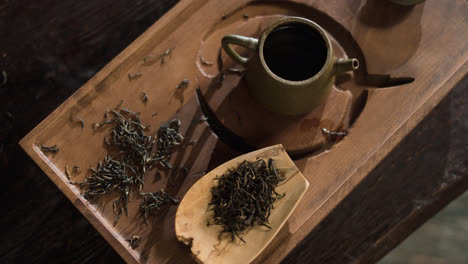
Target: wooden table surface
{"x":49,"y":48}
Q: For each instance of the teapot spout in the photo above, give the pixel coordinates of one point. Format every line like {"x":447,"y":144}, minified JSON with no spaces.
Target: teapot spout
{"x":344,"y":65}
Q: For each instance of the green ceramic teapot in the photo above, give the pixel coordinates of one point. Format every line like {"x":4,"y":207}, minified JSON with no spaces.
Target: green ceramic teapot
{"x":293,"y":68}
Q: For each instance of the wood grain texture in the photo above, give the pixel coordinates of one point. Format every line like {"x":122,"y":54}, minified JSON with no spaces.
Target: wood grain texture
{"x":42,"y":77}
{"x":426,"y":171}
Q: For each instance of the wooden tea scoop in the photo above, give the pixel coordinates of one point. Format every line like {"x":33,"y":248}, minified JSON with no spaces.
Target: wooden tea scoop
{"x":206,"y":244}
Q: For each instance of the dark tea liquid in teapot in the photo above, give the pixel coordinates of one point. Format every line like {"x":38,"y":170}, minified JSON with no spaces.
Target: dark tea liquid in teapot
{"x":295,"y":52}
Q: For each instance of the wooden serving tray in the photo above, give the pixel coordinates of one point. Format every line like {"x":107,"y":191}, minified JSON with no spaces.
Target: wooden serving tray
{"x":420,"y":42}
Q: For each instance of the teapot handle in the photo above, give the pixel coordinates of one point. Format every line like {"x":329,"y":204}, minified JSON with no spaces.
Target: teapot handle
{"x":246,"y":42}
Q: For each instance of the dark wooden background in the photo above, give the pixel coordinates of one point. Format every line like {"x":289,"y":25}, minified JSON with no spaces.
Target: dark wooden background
{"x":49,"y":48}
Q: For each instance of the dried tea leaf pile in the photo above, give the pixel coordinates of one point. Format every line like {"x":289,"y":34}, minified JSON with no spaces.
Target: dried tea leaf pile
{"x":135,"y":157}
{"x":134,"y":146}
{"x":244,"y":197}
{"x":168,"y":137}
{"x":153,"y":202}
